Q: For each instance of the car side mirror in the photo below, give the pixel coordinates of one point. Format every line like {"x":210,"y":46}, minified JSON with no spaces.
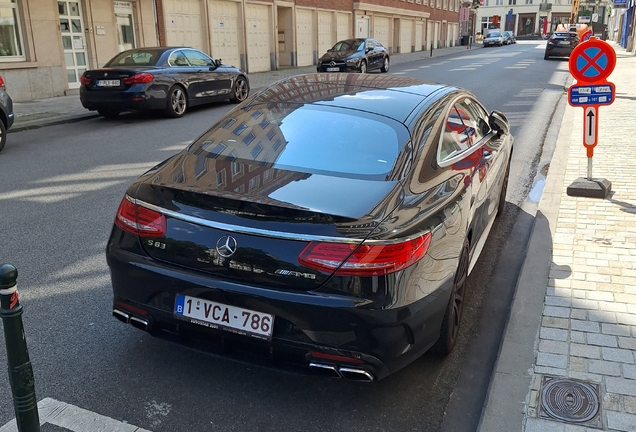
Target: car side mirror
{"x":368,"y":50}
{"x":499,"y":122}
{"x":217,"y":63}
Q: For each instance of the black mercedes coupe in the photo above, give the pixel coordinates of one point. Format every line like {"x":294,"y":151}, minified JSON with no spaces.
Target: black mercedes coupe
{"x":327,"y":224}
{"x":162,"y":79}
{"x":355,"y":55}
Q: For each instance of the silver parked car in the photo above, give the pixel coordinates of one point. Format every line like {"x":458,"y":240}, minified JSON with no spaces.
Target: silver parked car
{"x":494,"y":37}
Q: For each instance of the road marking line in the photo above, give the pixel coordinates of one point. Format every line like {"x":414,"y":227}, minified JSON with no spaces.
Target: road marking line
{"x":462,"y":69}
{"x":409,"y":70}
{"x":74,"y":419}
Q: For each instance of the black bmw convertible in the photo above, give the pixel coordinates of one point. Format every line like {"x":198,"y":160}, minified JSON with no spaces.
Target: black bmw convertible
{"x":162,"y":79}
{"x":327,"y":225}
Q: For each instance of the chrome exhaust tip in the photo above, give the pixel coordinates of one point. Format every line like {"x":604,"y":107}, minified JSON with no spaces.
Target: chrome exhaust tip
{"x":121,"y":316}
{"x":139,"y":323}
{"x":353,"y":374}
{"x":325,"y":369}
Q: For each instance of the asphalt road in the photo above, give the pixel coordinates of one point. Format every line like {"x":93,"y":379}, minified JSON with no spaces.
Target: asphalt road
{"x":59,"y":189}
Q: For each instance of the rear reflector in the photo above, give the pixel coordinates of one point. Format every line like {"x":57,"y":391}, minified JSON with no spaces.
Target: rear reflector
{"x":336,"y":358}
{"x":139,"y":220}
{"x":85,"y":80}
{"x":365,"y":260}
{"x":140,"y":78}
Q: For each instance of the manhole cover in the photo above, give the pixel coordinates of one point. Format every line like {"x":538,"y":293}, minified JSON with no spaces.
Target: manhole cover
{"x":570,"y":401}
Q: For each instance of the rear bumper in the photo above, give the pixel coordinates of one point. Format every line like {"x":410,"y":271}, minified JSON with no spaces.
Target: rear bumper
{"x":122,"y":100}
{"x":558,"y":51}
{"x":379,"y":342}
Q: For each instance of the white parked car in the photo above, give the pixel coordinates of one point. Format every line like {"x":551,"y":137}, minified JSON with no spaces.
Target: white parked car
{"x":494,"y":37}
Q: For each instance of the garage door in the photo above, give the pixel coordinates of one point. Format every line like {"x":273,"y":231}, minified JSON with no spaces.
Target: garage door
{"x":325,"y":32}
{"x":258,"y":34}
{"x":381,"y":30}
{"x":344,"y":26}
{"x":406,"y":35}
{"x":305,"y":37}
{"x":224,"y":31}
{"x":418,"y":35}
{"x":183,"y":23}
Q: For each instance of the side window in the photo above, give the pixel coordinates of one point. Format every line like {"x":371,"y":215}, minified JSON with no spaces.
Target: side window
{"x":197,"y":58}
{"x":479,"y":117}
{"x":378,"y":44}
{"x":370,"y":44}
{"x":177,"y":58}
{"x":456,"y":137}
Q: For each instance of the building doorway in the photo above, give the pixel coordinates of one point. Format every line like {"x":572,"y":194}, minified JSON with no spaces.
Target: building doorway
{"x":72,"y":28}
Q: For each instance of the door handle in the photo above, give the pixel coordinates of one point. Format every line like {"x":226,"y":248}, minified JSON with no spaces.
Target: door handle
{"x":487,"y":155}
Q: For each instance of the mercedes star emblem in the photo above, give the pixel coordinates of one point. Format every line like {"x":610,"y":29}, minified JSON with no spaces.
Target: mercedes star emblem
{"x":332,"y":64}
{"x":226,"y":246}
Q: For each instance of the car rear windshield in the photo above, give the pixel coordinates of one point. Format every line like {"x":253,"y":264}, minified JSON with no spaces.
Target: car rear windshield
{"x":135,"y":58}
{"x":309,"y":139}
{"x":494,"y":34}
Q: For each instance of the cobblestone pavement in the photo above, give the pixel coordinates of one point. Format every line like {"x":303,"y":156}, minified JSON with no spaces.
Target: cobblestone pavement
{"x":587,"y":326}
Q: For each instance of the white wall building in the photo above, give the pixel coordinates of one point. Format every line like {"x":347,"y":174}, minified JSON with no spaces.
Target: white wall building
{"x":524,"y":17}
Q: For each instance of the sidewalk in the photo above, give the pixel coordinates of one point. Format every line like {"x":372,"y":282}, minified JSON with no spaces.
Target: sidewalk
{"x":65,"y":109}
{"x":574,"y":312}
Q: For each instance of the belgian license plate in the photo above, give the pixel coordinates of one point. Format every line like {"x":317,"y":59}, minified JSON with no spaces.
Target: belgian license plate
{"x":333,"y":69}
{"x":107,"y":83}
{"x":217,"y":315}
{"x":565,"y":42}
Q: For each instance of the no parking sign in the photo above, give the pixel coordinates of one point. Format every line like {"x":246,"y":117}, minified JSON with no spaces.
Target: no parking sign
{"x":591,"y":62}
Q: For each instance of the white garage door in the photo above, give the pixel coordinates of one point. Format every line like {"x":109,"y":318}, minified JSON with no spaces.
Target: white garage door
{"x":305,"y":37}
{"x":183,"y":23}
{"x":381,"y":30}
{"x":258,"y":34}
{"x":224,"y":20}
{"x":418,"y":35}
{"x":325,"y":32}
{"x":406,"y":35}
{"x":344,"y":26}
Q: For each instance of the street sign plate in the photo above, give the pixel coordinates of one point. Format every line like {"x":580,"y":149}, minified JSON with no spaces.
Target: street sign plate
{"x":584,"y":95}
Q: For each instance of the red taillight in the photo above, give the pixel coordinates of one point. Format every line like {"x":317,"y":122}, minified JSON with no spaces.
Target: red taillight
{"x":85,"y":80}
{"x":140,"y":78}
{"x":1,"y":82}
{"x":139,"y":220}
{"x":366,"y":260}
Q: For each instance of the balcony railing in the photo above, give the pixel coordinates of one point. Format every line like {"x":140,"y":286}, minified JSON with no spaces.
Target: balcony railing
{"x":545,"y":6}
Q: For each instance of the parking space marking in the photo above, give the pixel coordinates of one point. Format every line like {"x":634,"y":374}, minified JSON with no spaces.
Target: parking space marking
{"x":75,"y":419}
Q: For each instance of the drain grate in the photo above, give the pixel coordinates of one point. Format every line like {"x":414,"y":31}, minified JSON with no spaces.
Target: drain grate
{"x":570,"y":401}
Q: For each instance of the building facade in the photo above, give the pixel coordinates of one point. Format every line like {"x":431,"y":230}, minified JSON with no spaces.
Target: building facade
{"x":45,"y":45}
{"x":524,"y":17}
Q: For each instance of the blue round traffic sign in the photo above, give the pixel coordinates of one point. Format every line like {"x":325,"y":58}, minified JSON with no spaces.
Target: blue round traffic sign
{"x":592,"y":61}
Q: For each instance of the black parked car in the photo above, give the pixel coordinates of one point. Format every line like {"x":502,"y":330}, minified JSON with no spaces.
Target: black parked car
{"x":561,"y":44}
{"x":323,"y":225}
{"x":6,"y":113}
{"x":355,"y":55}
{"x":166,"y":79}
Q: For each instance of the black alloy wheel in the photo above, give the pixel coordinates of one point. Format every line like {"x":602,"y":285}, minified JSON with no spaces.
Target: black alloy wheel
{"x":241,"y":90}
{"x":3,"y":135}
{"x":109,"y":114}
{"x":502,"y":195}
{"x":455,"y":310}
{"x":385,"y":66}
{"x":363,"y":67}
{"x":177,"y":102}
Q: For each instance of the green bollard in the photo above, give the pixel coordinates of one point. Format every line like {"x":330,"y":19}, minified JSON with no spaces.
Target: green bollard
{"x":20,"y":370}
